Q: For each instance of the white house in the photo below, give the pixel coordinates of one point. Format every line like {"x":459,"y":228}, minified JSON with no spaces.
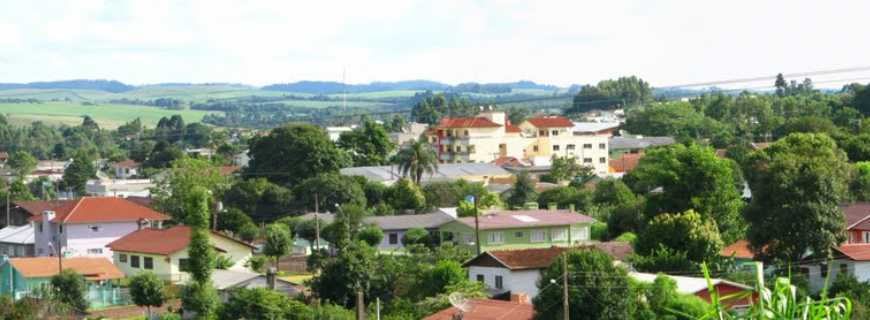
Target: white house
{"x":125,"y":169}
{"x":84,"y":227}
{"x":518,"y":271}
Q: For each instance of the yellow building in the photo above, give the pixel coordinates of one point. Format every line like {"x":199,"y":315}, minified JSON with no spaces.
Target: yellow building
{"x":164,"y":252}
{"x":490,"y":136}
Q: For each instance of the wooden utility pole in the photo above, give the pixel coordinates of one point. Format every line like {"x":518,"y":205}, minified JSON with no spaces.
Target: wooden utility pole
{"x":565,"y":285}
{"x":360,"y":305}
{"x":476,"y":226}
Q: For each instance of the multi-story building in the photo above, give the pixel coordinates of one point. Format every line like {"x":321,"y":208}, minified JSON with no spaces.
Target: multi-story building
{"x":490,"y":136}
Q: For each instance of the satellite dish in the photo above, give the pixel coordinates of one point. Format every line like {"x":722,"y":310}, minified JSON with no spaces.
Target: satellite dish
{"x":459,"y":301}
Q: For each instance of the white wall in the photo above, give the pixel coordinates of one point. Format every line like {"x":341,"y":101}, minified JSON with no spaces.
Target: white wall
{"x":385,"y":243}
{"x":514,"y":281}
{"x":80,"y":237}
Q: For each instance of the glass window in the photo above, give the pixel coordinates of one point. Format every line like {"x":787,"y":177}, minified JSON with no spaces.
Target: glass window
{"x":122,"y":257}
{"x":602,"y":160}
{"x":569,"y":147}
{"x":535,"y":148}
{"x":602,"y":146}
{"x":39,"y":227}
{"x":866,"y":236}
{"x":844,"y":268}
{"x":95,"y":251}
{"x":60,"y":229}
{"x":149,"y":263}
{"x":587,"y":160}
{"x":134,"y":261}
{"x":539,"y":236}
{"x":394,"y":238}
{"x":496,"y":237}
{"x":555,"y":132}
{"x":480,"y":278}
{"x":560,"y":234}
{"x":499,"y":282}
{"x":469,"y":238}
{"x":183,"y":265}
{"x":95,"y":228}
{"x":518,"y":234}
{"x":587,"y":146}
{"x":555,"y":147}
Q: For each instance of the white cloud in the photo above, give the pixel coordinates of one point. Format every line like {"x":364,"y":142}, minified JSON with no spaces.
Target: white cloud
{"x":559,"y":42}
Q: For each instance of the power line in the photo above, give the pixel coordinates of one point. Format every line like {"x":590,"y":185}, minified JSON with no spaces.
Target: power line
{"x":756,"y":79}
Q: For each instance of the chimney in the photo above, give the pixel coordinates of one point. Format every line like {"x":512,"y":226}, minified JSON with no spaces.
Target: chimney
{"x":520,"y":298}
{"x":271,"y":275}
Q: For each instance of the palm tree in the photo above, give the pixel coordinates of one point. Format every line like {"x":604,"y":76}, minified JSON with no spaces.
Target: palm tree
{"x":416,"y":159}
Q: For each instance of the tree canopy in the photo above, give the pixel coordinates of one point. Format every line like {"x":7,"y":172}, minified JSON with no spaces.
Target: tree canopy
{"x":293,"y":153}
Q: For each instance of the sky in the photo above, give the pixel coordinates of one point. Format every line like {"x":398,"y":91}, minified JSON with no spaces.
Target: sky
{"x":553,"y":42}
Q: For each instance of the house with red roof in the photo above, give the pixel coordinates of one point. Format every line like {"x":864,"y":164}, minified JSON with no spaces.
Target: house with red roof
{"x":519,"y":229}
{"x":27,"y":277}
{"x":490,"y":136}
{"x":125,"y":169}
{"x":488,"y":309}
{"x":164,"y":252}
{"x":83,"y":227}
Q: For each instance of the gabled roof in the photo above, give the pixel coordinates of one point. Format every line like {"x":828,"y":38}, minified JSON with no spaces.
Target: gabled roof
{"x":92,"y":268}
{"x":625,"y":163}
{"x":126,"y":164}
{"x":408,"y":221}
{"x":550,"y":122}
{"x":618,"y":143}
{"x":857,"y":215}
{"x":17,"y":234}
{"x":526,"y":219}
{"x":100,"y":209}
{"x":856,"y":252}
{"x":477,"y":122}
{"x":36,"y":207}
{"x":160,"y":241}
{"x":689,"y":285}
{"x":488,"y":309}
{"x":739,"y":249}
{"x":594,"y":127}
{"x":539,"y":258}
{"x":509,"y":128}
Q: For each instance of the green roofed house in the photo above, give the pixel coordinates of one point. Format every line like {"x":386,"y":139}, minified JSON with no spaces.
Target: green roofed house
{"x":520,"y":229}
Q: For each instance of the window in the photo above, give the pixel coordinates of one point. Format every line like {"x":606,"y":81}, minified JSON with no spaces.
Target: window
{"x":542,"y":133}
{"x":496,"y":237}
{"x":499,"y":282}
{"x":60,"y":229}
{"x":535,"y":148}
{"x":555,"y":147}
{"x":587,"y":146}
{"x":466,"y":133}
{"x":539,"y":236}
{"x":394,"y":238}
{"x":183,"y":265}
{"x":134,"y":261}
{"x":823,"y":270}
{"x":560,"y":234}
{"x":122,"y":258}
{"x":95,"y":251}
{"x":95,"y":228}
{"x":602,"y":146}
{"x":579,"y":233}
{"x":518,"y":234}
{"x":587,"y":160}
{"x":569,"y":147}
{"x":866,"y":236}
{"x":149,"y":263}
{"x":480,"y":278}
{"x":469,"y":238}
{"x":471,"y":149}
{"x":554,"y":132}
{"x":602,"y":160}
{"x":39,"y":227}
{"x":844,"y":268}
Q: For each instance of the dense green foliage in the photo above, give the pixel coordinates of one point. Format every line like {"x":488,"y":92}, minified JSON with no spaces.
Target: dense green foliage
{"x":293,"y":153}
{"x":146,"y":289}
{"x":199,"y":295}
{"x":417,"y":159}
{"x":611,"y":94}
{"x":70,"y":288}
{"x":685,"y":232}
{"x":523,"y":191}
{"x":368,"y":145}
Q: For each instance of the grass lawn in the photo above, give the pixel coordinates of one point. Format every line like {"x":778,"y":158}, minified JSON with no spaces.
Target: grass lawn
{"x":106,"y":115}
{"x":297,"y":278}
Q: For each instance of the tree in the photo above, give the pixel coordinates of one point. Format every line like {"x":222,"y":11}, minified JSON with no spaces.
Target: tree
{"x":371,"y":235}
{"x":565,"y":197}
{"x":612,"y":192}
{"x":396,"y":124}
{"x":329,"y":190}
{"x":691,"y":177}
{"x":780,"y":85}
{"x":857,"y":147}
{"x":22,"y":163}
{"x":417,"y":159}
{"x":69,"y":288}
{"x":147,"y":290}
{"x":278,"y":242}
{"x":523,"y":190}
{"x":233,"y":220}
{"x":368,"y":145}
{"x":162,"y":155}
{"x":596,"y":288}
{"x":564,"y":168}
{"x":440,"y":194}
{"x":293,"y":153}
{"x":259,"y":198}
{"x":444,"y":274}
{"x":199,"y":296}
{"x":186,"y":174}
{"x":76,"y":175}
{"x":346,"y":275}
{"x":263,"y":304}
{"x":798,"y":183}
{"x":682,"y":232}
{"x":676,"y":119}
{"x":860,"y":185}
{"x":405,"y":195}
{"x":415,"y":236}
{"x":197,"y":135}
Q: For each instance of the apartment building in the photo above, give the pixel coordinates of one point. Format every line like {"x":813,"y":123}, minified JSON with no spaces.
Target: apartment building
{"x":490,"y":136}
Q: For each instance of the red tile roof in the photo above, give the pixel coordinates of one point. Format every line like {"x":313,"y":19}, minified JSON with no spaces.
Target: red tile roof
{"x":478,"y":122}
{"x":526,"y":218}
{"x":126,"y":164}
{"x":488,"y":309}
{"x":91,"y":268}
{"x":740,"y":249}
{"x":551,"y":122}
{"x":159,"y":241}
{"x":857,"y":215}
{"x":625,"y":163}
{"x":508,"y":161}
{"x":36,"y":207}
{"x":509,"y":128}
{"x":101,"y":209}
{"x":539,"y":258}
{"x":857,"y":252}
{"x":228,"y":170}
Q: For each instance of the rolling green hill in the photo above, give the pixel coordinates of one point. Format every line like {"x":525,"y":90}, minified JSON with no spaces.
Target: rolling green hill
{"x":106,"y":115}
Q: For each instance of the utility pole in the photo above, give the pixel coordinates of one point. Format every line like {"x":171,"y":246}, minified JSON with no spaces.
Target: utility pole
{"x":316,"y":224}
{"x":565,"y":285}
{"x":476,"y":226}
{"x":360,"y":304}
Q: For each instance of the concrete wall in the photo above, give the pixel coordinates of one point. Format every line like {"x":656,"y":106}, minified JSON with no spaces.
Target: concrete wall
{"x":80,"y":238}
{"x":515,"y":281}
{"x":517,"y":237}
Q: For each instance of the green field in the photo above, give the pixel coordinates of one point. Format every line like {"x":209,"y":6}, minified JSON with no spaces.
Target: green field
{"x":106,"y":115}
